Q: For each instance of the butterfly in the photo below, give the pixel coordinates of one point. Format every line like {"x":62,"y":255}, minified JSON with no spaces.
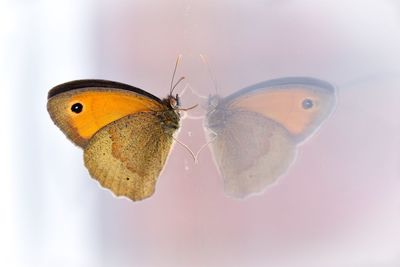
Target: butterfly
{"x":126,"y":133}
{"x":254,"y":132}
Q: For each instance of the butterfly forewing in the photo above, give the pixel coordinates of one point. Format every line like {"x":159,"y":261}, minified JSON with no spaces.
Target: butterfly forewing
{"x":99,"y":106}
{"x":300,"y":105}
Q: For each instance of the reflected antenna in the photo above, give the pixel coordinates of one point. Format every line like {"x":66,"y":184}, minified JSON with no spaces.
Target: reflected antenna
{"x":204,"y":59}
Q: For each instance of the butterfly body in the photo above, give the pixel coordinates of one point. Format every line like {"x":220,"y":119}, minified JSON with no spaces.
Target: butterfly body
{"x":126,"y":133}
{"x":254,"y":132}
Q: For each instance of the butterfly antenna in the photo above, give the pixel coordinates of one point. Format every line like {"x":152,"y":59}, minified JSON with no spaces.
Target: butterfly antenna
{"x":173,"y":75}
{"x":187,"y":148}
{"x":204,"y":59}
{"x":176,"y":84}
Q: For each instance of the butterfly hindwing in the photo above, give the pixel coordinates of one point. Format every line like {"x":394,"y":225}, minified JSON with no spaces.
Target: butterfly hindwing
{"x":251,"y":151}
{"x":127,"y":155}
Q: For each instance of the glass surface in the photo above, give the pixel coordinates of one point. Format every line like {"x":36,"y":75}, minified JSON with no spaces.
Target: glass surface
{"x":338,"y":204}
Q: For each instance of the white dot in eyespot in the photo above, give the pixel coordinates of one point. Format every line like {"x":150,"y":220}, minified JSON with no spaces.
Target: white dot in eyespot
{"x":307,"y":103}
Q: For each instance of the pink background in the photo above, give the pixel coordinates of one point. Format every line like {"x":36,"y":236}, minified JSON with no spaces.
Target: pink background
{"x":339,"y":204}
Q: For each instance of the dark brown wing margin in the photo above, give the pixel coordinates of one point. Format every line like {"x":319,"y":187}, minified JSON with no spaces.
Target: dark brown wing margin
{"x":79,"y":84}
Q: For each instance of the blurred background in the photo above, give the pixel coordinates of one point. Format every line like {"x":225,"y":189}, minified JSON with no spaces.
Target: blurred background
{"x":339,"y":204}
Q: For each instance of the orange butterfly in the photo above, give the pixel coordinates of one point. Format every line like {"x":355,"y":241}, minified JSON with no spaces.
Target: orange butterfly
{"x":126,"y":132}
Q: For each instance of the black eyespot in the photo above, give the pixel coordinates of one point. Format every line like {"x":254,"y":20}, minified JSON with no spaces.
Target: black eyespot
{"x":77,"y":108}
{"x":307,"y":103}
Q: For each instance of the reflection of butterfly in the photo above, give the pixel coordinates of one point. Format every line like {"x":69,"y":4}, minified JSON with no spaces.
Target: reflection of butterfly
{"x":126,"y":133}
{"x":254,"y":132}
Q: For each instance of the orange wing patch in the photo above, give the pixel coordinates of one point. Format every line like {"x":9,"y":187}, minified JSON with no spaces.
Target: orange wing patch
{"x":286,"y":106}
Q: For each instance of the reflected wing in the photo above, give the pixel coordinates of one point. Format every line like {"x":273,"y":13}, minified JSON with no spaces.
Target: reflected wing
{"x":259,"y":127}
{"x":298,"y":104}
{"x":127,"y":155}
{"x":251,"y":152}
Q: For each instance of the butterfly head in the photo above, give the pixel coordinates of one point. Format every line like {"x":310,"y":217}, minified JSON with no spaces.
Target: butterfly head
{"x":173,"y":102}
{"x":213,"y":102}
{"x":216,"y":113}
